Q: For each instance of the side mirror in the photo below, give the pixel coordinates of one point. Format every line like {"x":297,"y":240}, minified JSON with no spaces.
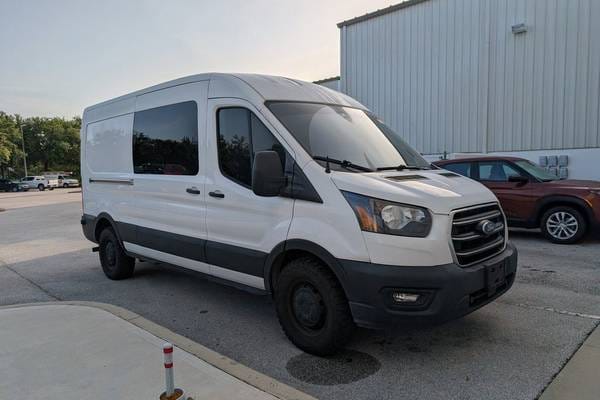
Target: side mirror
{"x":267,"y":174}
{"x":519,"y":179}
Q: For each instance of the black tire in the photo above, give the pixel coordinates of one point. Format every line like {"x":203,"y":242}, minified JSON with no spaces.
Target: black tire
{"x":14,"y":189}
{"x":572,"y":230}
{"x":65,"y":185}
{"x":115,"y":263}
{"x":41,"y":187}
{"x":312,"y":307}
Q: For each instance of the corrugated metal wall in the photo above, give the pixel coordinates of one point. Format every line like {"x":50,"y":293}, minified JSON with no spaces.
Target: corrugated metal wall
{"x":451,"y":76}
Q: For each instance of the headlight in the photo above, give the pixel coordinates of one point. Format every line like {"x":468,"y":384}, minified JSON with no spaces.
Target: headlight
{"x":387,"y":217}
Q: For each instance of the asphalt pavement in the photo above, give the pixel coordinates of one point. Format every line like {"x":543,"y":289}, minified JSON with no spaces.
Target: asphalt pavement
{"x":510,"y":349}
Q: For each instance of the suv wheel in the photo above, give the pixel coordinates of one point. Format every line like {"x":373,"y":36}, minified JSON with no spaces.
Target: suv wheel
{"x":563,"y":225}
{"x":115,"y":263}
{"x":41,"y":187}
{"x":312,"y":307}
{"x":65,"y":185}
{"x":14,"y":189}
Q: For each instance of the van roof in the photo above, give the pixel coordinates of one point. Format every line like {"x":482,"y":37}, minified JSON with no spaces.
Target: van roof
{"x":267,"y":87}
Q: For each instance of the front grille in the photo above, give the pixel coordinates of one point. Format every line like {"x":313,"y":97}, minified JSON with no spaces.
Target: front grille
{"x":470,"y":244}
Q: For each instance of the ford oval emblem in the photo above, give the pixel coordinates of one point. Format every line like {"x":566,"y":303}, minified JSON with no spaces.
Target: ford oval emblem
{"x":488,"y":227}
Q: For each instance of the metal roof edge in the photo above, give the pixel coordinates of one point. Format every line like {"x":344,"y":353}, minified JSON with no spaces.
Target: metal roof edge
{"x":378,"y":13}
{"x":333,"y":78}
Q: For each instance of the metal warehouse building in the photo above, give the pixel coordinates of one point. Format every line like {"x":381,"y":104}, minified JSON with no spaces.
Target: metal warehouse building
{"x":520,"y":77}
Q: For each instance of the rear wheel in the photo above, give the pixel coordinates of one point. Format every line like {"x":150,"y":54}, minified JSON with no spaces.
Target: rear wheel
{"x":312,"y":307}
{"x":115,"y":263}
{"x":41,"y":187}
{"x":563,"y":225}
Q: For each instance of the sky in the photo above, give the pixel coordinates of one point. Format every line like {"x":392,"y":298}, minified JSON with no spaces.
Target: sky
{"x":59,"y":56}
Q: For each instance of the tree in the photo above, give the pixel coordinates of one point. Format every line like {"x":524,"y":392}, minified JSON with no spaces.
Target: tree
{"x":9,"y":142}
{"x":50,"y":144}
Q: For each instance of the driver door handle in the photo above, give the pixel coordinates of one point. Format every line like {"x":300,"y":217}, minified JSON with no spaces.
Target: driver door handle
{"x":217,"y":194}
{"x":192,"y":190}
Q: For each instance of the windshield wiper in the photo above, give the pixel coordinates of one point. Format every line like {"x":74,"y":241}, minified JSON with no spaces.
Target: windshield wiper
{"x":403,"y":167}
{"x":343,"y":163}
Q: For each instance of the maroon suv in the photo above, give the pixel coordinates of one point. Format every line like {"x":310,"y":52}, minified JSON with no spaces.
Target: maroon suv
{"x":531,"y":197}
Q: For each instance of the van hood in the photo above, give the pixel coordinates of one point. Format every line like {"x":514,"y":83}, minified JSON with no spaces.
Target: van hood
{"x":438,"y":190}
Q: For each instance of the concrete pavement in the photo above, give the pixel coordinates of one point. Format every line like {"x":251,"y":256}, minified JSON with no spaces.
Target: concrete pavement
{"x":580,"y":378}
{"x":510,"y":349}
{"x":66,"y":351}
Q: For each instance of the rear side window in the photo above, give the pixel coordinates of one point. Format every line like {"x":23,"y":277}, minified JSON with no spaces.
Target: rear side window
{"x":459,"y":168}
{"x":165,"y":140}
{"x":240,"y":135}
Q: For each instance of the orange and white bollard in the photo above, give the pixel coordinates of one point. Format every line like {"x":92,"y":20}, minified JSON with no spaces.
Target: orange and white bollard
{"x":170,"y":393}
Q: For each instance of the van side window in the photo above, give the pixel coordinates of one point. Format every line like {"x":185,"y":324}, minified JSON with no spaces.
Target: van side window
{"x":165,"y":140}
{"x":240,"y":135}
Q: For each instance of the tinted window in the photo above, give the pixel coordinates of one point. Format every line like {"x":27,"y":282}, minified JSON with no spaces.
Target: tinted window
{"x":165,"y":140}
{"x":496,"y":171}
{"x":240,"y":136}
{"x":459,"y":168}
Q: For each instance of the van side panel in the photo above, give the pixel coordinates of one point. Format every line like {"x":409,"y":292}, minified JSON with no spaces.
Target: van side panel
{"x":107,"y":167}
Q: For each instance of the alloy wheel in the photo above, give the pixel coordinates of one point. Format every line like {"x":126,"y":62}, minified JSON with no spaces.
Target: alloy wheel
{"x":562,"y":225}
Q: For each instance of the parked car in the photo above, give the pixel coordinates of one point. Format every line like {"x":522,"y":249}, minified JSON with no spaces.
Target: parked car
{"x":67,"y":181}
{"x":294,"y":190}
{"x":64,"y":181}
{"x":40,"y":182}
{"x":11,"y":186}
{"x":533,"y":198}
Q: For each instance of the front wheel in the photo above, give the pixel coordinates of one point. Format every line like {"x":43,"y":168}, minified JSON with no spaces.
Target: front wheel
{"x":14,"y":189}
{"x":41,"y":187}
{"x":65,"y":185}
{"x":312,"y":307}
{"x":115,"y":263}
{"x":563,"y":225}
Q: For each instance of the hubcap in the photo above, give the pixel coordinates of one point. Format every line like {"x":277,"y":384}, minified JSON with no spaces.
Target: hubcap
{"x":308,"y":307}
{"x":562,"y":225}
{"x":110,"y":252}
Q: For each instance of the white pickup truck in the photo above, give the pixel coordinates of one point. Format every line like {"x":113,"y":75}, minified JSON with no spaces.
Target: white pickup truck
{"x":40,"y":182}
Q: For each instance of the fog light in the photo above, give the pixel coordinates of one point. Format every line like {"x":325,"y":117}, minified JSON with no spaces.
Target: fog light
{"x":400,"y":297}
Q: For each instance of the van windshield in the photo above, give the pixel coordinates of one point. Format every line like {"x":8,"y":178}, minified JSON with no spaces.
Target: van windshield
{"x":346,"y":134}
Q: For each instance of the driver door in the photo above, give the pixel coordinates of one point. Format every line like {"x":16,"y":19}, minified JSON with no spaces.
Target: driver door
{"x":517,"y":198}
{"x":242,"y":227}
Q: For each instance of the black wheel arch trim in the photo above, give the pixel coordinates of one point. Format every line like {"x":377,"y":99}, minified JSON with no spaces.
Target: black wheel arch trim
{"x":559,"y":200}
{"x":95,"y":220}
{"x":318,"y":251}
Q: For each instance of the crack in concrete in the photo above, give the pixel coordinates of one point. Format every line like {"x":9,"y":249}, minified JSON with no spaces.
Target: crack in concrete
{"x":31,"y":282}
{"x":554,"y":310}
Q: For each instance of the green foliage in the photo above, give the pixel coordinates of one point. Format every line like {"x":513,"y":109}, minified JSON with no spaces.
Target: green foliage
{"x":51,"y":144}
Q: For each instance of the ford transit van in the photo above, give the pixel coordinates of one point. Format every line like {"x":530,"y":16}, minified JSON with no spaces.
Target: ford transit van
{"x":297,"y":191}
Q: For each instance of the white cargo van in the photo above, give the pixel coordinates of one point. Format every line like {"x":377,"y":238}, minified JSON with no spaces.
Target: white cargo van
{"x":297,"y":191}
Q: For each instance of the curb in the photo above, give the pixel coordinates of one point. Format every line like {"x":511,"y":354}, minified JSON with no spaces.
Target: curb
{"x":578,"y":378}
{"x":225,"y":364}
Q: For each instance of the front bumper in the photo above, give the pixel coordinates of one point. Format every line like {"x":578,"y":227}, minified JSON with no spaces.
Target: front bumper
{"x":448,"y":291}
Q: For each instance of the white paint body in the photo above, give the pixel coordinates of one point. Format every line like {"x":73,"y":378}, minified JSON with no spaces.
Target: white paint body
{"x":242,"y":218}
{"x":451,"y":76}
{"x":35,"y":181}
